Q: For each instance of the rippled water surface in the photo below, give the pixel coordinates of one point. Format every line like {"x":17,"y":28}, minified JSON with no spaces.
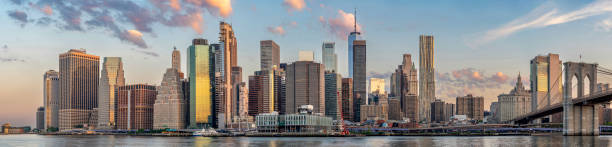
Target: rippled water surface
{"x":510,"y":141}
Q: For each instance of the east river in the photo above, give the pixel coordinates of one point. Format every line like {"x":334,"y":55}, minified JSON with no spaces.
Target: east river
{"x":471,"y":141}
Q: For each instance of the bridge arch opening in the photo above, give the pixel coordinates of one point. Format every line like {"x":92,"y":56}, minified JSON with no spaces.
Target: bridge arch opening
{"x":574,"y":80}
{"x":586,"y":90}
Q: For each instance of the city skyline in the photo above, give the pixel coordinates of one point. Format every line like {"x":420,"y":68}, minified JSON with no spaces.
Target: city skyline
{"x":450,"y":54}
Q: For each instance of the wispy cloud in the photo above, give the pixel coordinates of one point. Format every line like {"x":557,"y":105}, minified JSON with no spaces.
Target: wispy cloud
{"x":10,"y":59}
{"x":605,"y":25}
{"x":545,"y":15}
{"x":294,"y":5}
{"x":278,"y":30}
{"x":146,"y":52}
{"x":121,"y":16}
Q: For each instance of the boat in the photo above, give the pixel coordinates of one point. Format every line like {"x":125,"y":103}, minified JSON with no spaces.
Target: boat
{"x":205,"y":132}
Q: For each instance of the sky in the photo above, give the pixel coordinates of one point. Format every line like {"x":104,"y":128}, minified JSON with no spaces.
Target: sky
{"x":480,"y":46}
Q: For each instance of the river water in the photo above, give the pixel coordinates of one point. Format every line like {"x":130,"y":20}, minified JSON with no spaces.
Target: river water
{"x":475,"y":141}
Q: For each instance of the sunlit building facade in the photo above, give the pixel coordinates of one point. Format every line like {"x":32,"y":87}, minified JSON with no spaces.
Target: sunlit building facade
{"x":79,"y":74}
{"x":546,"y":84}
{"x":427,"y":85}
{"x":135,"y":105}
{"x":201,"y":80}
{"x":51,"y":95}
{"x":111,"y":78}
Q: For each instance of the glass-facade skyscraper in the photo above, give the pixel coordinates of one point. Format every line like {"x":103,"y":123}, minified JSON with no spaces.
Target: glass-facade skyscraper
{"x":111,"y":78}
{"x":200,"y":69}
{"x":330,"y":59}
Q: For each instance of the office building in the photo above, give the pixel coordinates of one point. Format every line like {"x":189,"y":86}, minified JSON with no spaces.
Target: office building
{"x":374,"y":112}
{"x":441,"y":111}
{"x":135,"y":106}
{"x":330,"y":59}
{"x":40,"y":118}
{"x":170,"y":105}
{"x":377,"y":85}
{"x":359,"y":76}
{"x":111,"y":78}
{"x":243,"y":100}
{"x":51,"y":96}
{"x":79,"y":74}
{"x":333,"y":95}
{"x":472,"y":107}
{"x":347,"y":100}
{"x":515,"y":103}
{"x":270,"y":54}
{"x":395,"y":109}
{"x":261,"y":92}
{"x":305,"y":86}
{"x":201,"y":80}
{"x":355,"y":35}
{"x":427,"y":87}
{"x":230,"y":59}
{"x":305,"y":56}
{"x":404,"y":85}
{"x":546,"y":84}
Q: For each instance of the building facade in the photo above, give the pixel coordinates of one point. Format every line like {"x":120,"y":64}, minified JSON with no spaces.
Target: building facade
{"x":306,"y":56}
{"x":110,"y":78}
{"x":79,"y":74}
{"x":40,"y":118}
{"x":360,"y":95}
{"x":441,"y":111}
{"x":347,"y":99}
{"x":230,"y":59}
{"x":395,"y":109}
{"x":330,"y":59}
{"x":333,"y":95}
{"x":515,"y":103}
{"x":546,"y":77}
{"x":170,"y":106}
{"x":135,"y":105}
{"x":201,"y":81}
{"x":472,"y":107}
{"x":261,"y":92}
{"x":427,"y":89}
{"x":305,"y":86}
{"x":404,"y":85}
{"x":374,"y":112}
{"x":270,"y":54}
{"x":377,"y":85}
{"x":51,"y":95}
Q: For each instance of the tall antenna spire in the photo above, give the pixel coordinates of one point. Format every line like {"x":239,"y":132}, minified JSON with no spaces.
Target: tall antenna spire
{"x":355,"y":24}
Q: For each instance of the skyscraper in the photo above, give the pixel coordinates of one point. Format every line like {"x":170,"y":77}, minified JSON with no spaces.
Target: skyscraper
{"x":472,"y":107}
{"x":230,"y":46}
{"x":111,"y":78}
{"x":404,"y":84}
{"x":261,"y":92}
{"x":333,"y":95}
{"x":305,"y":86}
{"x":40,"y":118}
{"x":355,"y":35}
{"x":546,"y":77}
{"x":220,"y":87}
{"x":236,"y":81}
{"x":347,"y":99}
{"x":170,"y":106}
{"x":201,"y":80}
{"x":330,"y":59}
{"x":377,"y":85}
{"x":395,"y":109}
{"x":79,"y":74}
{"x":427,"y":88}
{"x":135,"y":106}
{"x":51,"y":95}
{"x":359,"y":77}
{"x":269,"y":54}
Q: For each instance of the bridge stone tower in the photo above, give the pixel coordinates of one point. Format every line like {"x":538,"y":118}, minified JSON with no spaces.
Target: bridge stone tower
{"x":580,"y":119}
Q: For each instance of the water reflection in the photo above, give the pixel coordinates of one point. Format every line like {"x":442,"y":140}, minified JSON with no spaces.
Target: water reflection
{"x":477,"y":141}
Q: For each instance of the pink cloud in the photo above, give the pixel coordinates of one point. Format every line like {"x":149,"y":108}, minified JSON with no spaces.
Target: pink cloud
{"x":294,"y":5}
{"x":342,"y":25}
{"x":175,"y":4}
{"x":134,"y":37}
{"x":47,"y":10}
{"x":500,"y":77}
{"x":278,"y":30}
{"x":222,"y":8}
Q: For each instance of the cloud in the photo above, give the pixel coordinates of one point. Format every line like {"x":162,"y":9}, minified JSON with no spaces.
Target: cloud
{"x":120,"y":17}
{"x":294,"y":5}
{"x":499,"y":77}
{"x":19,"y":16}
{"x":543,"y":16}
{"x":134,"y":37}
{"x":146,"y":52}
{"x":9,"y":59}
{"x":342,"y":25}
{"x":469,"y":80}
{"x":278,"y":30}
{"x":17,"y":2}
{"x":374,"y":74}
{"x":605,"y":25}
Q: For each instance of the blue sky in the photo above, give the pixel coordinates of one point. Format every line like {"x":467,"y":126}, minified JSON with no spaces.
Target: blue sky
{"x":481,"y":45}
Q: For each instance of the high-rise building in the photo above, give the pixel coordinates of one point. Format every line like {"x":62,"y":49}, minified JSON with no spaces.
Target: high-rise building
{"x":40,"y":118}
{"x":79,"y":74}
{"x":305,"y":56}
{"x":270,"y":54}
{"x":546,"y":77}
{"x":111,"y":78}
{"x":347,"y":99}
{"x":472,"y":107}
{"x":280,"y":90}
{"x":330,"y":59}
{"x":305,"y":86}
{"x":404,"y":85}
{"x":176,"y":62}
{"x":261,"y":92}
{"x":201,"y":80}
{"x":135,"y":106}
{"x":236,"y":81}
{"x":427,"y":85}
{"x":243,"y":100}
{"x":333,"y":95}
{"x":515,"y":103}
{"x":51,"y":95}
{"x":374,"y":112}
{"x":230,"y":57}
{"x":355,"y":35}
{"x":395,"y":109}
{"x":441,"y":111}
{"x":170,"y":106}
{"x":220,"y":87}
{"x":359,"y":76}
{"x":377,"y":85}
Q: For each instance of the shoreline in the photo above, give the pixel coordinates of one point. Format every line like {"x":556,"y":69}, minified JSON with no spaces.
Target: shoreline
{"x":322,"y":135}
